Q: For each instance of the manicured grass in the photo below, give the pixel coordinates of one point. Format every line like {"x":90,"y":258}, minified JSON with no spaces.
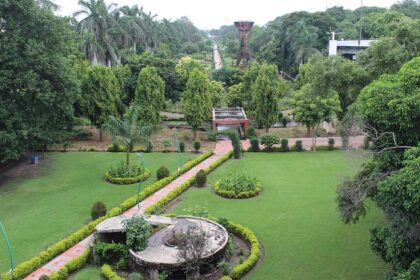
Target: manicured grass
{"x":88,"y":273}
{"x":42,"y":210}
{"x":296,"y":218}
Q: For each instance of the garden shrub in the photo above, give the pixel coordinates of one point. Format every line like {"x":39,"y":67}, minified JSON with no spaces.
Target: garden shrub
{"x":71,"y":266}
{"x":284,"y":145}
{"x":115,"y":253}
{"x":238,"y":185}
{"x":197,"y":146}
{"x":123,"y":174}
{"x":284,"y":121}
{"x":250,"y":132}
{"x":109,"y":274}
{"x":181,"y":147}
{"x":135,"y":276}
{"x":166,"y":144}
{"x":98,"y":210}
{"x":224,"y":266}
{"x":269,"y":140}
{"x":331,"y":143}
{"x":162,"y":172}
{"x":236,"y":141}
{"x":149,"y":147}
{"x":298,"y":146}
{"x":201,"y":178}
{"x":116,"y":148}
{"x":138,"y":232}
{"x":211,"y":136}
{"x":255,"y":145}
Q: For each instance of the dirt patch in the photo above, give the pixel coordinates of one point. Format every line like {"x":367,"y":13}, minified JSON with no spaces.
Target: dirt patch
{"x":23,"y":169}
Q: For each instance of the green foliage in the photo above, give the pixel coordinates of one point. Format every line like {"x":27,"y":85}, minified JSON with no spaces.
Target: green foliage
{"x":284,"y":121}
{"x":115,"y":253}
{"x":229,"y":76}
{"x":235,"y":96}
{"x":284,"y":145}
{"x":255,"y":145}
{"x":114,"y":148}
{"x":197,"y":100}
{"x":127,"y":171}
{"x":72,"y":266}
{"x":44,"y":277}
{"x":238,"y":185}
{"x":98,"y":210}
{"x":250,"y":132}
{"x":135,"y":276}
{"x":138,"y":231}
{"x":186,"y":66}
{"x":150,"y":97}
{"x":197,"y":146}
{"x":38,"y":80}
{"x":99,"y":95}
{"x":124,"y":171}
{"x":166,"y":143}
{"x":331,"y":143}
{"x":269,"y":140}
{"x":162,"y":172}
{"x":267,"y":90}
{"x":236,"y":141}
{"x":201,"y":178}
{"x":298,"y":146}
{"x":109,"y":274}
{"x":225,"y":267}
{"x":181,"y":147}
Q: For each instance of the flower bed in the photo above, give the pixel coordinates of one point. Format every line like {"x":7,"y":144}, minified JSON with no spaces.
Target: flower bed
{"x":131,"y":180}
{"x":238,"y":186}
{"x":124,"y":175}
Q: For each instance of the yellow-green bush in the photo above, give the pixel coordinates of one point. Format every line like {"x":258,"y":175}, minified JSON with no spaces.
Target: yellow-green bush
{"x":232,"y":194}
{"x":108,"y":273}
{"x":127,"y":181}
{"x":71,"y":266}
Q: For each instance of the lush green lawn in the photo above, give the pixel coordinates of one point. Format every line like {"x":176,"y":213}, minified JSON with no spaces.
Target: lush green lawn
{"x":42,"y":210}
{"x":87,"y":273}
{"x":295,"y":217}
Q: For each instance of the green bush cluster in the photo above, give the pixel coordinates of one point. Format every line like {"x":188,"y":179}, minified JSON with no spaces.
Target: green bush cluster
{"x":184,"y":186}
{"x":109,"y":274}
{"x":27,"y":267}
{"x":331,"y":143}
{"x":238,"y":185}
{"x":127,"y":181}
{"x":181,"y":147}
{"x":98,"y":210}
{"x":71,"y":266}
{"x":255,"y":145}
{"x":162,"y":172}
{"x":122,"y":170}
{"x":114,"y":148}
{"x":116,"y":253}
{"x":201,"y":178}
{"x":269,"y":140}
{"x":197,"y":146}
{"x":298,"y":147}
{"x":250,"y":132}
{"x":284,"y":145}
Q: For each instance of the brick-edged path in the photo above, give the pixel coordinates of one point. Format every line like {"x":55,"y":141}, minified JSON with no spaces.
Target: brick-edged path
{"x":77,"y":250}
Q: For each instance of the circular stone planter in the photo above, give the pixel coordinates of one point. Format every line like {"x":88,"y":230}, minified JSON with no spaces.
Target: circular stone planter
{"x":230,"y":194}
{"x":128,"y":181}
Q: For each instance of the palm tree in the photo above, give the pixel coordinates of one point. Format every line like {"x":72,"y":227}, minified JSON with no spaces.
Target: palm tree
{"x":304,"y":39}
{"x":98,"y":24}
{"x":127,"y":131}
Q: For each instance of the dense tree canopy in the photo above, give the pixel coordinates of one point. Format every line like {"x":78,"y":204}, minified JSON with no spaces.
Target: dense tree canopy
{"x":37,"y":78}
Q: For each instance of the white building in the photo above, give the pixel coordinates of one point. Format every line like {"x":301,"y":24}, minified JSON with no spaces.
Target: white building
{"x":348,"y":48}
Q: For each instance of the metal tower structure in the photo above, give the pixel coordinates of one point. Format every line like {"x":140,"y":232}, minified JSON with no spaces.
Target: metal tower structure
{"x":244,"y":28}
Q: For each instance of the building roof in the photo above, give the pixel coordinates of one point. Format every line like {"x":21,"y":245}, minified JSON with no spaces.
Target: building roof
{"x":233,"y":113}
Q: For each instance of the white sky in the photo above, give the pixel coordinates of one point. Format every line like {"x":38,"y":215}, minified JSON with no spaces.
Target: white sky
{"x":214,"y":13}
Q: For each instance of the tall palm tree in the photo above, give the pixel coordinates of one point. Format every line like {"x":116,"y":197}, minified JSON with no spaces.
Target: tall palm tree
{"x":98,"y":23}
{"x":128,"y":132}
{"x":304,"y":39}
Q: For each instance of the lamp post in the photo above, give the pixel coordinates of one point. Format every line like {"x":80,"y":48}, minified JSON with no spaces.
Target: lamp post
{"x":9,"y":247}
{"x":179,"y":149}
{"x":142,"y":162}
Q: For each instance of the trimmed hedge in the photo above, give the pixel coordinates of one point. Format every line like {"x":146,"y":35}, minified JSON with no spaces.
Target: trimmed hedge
{"x":127,"y":181}
{"x":243,"y":268}
{"x":71,"y":266}
{"x":108,"y":273}
{"x":114,"y":148}
{"x":34,"y":263}
{"x":232,"y":194}
{"x":184,"y":186}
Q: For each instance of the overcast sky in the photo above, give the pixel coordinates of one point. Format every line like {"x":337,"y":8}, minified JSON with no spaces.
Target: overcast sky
{"x":207,"y":14}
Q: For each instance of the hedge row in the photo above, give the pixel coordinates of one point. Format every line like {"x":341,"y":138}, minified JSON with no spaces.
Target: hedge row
{"x":109,"y":274}
{"x":71,"y":266}
{"x":232,"y":194}
{"x":127,"y":181}
{"x":184,"y":186}
{"x":247,"y":234}
{"x":27,"y":267}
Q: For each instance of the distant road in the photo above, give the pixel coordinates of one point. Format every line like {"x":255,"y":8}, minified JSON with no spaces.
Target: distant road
{"x":216,"y":56}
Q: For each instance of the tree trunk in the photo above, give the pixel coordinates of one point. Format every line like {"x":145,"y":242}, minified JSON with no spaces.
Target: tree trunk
{"x":100,"y":135}
{"x":127,"y":158}
{"x":308,"y":131}
{"x":267,"y":129}
{"x":194,"y":134}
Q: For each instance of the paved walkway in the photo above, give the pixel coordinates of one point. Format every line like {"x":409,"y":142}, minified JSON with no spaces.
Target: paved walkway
{"x":217,"y":59}
{"x":60,"y":261}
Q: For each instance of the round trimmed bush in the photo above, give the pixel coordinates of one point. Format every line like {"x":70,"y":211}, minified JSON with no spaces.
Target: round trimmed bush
{"x":239,"y":185}
{"x":284,"y":145}
{"x":98,"y":210}
{"x":197,"y":146}
{"x":162,"y":172}
{"x":331,"y":142}
{"x":298,"y":146}
{"x":201,"y":178}
{"x":255,"y":145}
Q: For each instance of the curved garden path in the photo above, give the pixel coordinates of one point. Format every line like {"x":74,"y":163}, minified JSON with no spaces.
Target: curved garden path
{"x":217,"y":59}
{"x":222,"y":147}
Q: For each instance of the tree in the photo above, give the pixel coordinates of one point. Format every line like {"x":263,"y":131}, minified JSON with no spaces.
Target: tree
{"x":150,"y":96}
{"x":197,"y":100}
{"x":266,"y":93}
{"x":138,"y":232}
{"x":186,"y":66}
{"x":191,"y":249}
{"x":216,"y":93}
{"x":234,"y":96}
{"x":99,"y":95}
{"x":38,"y":80}
{"x":128,"y":132}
